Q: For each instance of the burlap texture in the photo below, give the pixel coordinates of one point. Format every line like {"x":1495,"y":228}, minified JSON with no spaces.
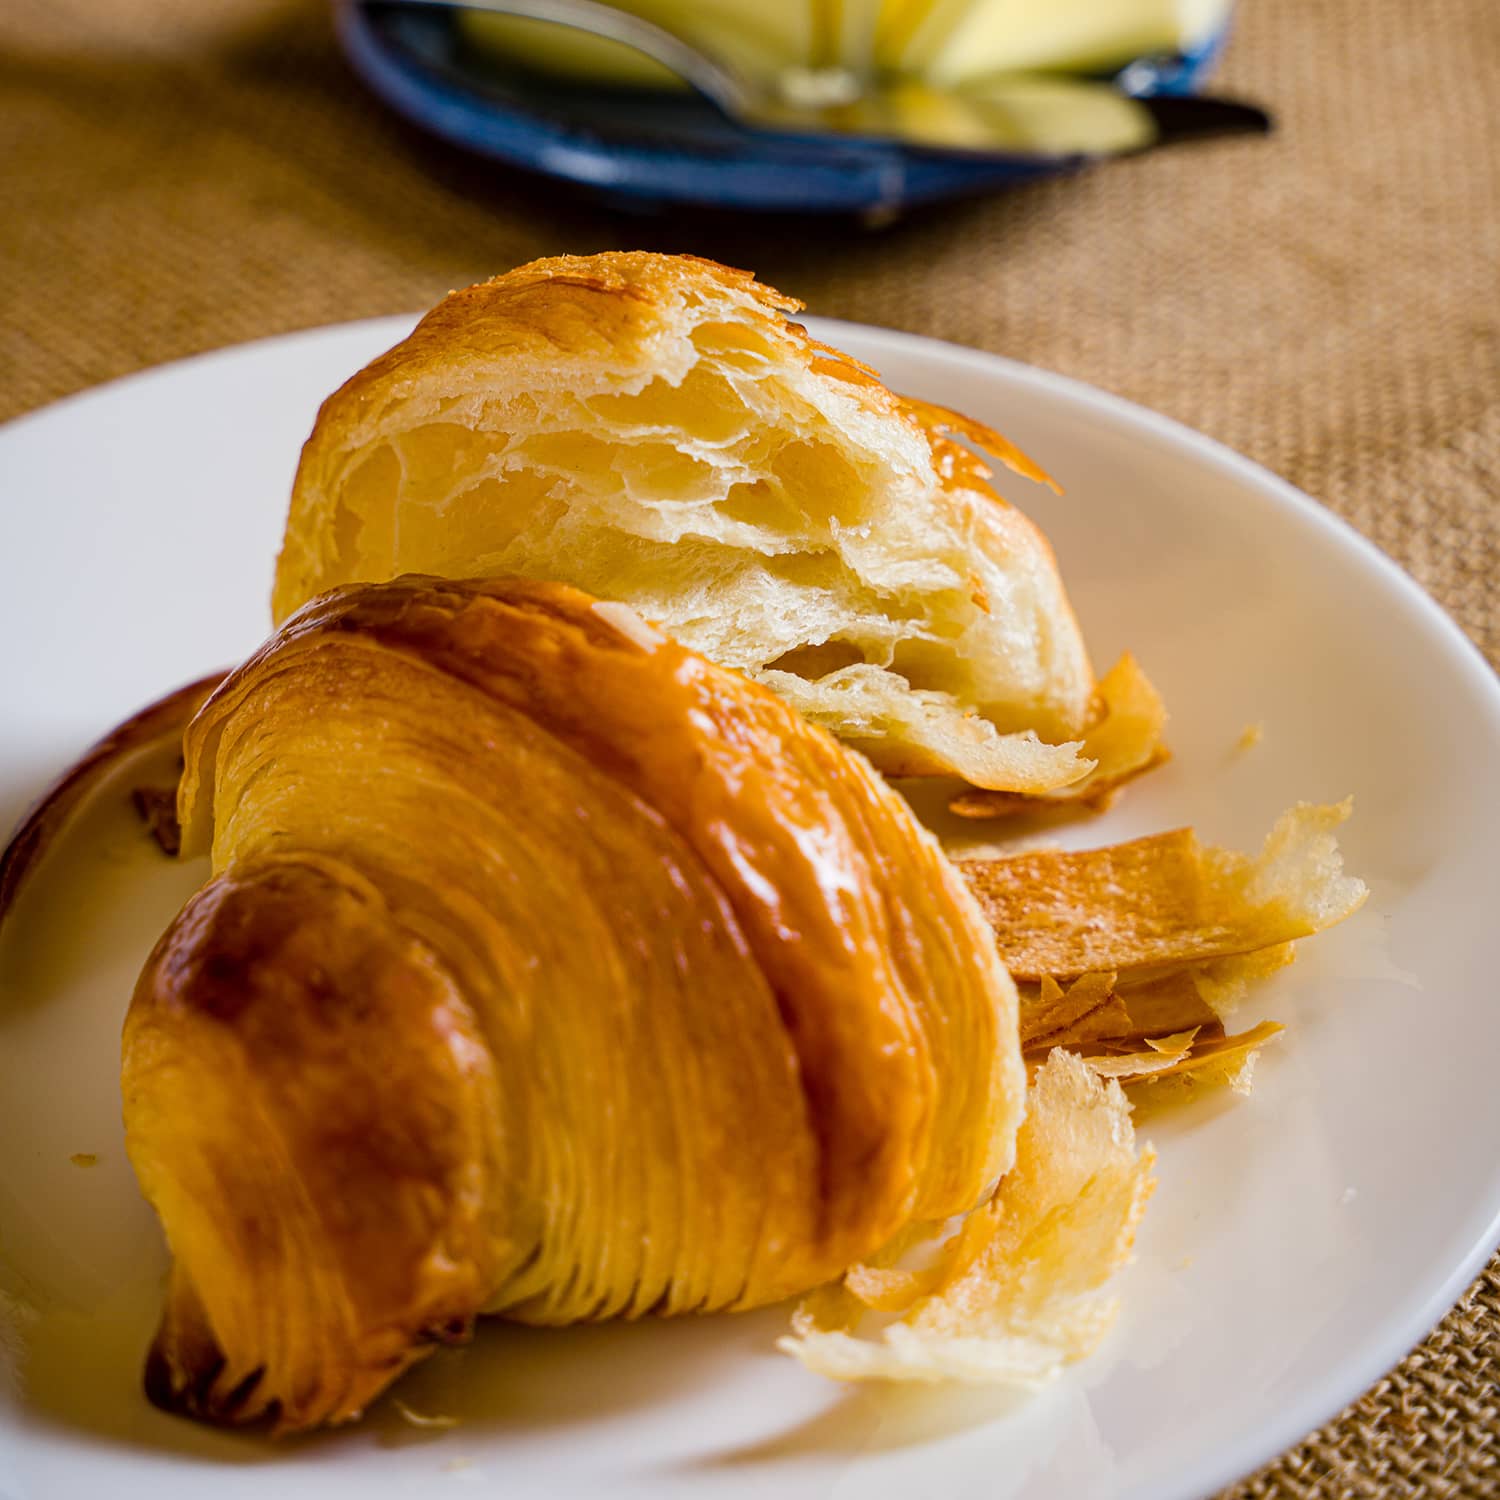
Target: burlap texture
{"x":181,"y":174}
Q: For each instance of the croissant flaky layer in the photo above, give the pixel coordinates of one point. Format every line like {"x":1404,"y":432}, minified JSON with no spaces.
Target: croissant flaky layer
{"x":545,"y":969}
{"x":654,"y":429}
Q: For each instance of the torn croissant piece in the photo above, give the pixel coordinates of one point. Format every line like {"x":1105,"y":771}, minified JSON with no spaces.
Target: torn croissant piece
{"x":1159,"y":1055}
{"x":1016,"y":1293}
{"x":1167,"y":901}
{"x":655,"y":430}
{"x":1210,"y":1059}
{"x":1152,"y":1031}
{"x":546,"y":969}
{"x":1183,"y":929}
{"x":1124,"y":742}
{"x":1088,"y":1010}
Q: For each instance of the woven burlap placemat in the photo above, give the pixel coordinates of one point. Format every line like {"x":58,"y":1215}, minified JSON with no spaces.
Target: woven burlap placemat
{"x":180,"y":174}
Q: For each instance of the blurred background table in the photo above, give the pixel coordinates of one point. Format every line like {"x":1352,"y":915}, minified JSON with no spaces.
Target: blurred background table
{"x":176,"y":175}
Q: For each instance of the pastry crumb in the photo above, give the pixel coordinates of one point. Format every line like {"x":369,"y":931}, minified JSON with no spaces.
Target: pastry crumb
{"x":421,"y":1419}
{"x":1250,"y":736}
{"x":629,"y":624}
{"x":84,"y":1159}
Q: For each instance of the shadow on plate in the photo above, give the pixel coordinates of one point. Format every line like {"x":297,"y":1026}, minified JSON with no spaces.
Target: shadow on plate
{"x":880,"y":1418}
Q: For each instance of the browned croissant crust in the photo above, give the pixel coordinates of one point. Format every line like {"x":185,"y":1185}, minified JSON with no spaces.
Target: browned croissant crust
{"x":546,"y":969}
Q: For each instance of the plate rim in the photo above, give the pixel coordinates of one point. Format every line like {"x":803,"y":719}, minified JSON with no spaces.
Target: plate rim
{"x":1349,"y":1376}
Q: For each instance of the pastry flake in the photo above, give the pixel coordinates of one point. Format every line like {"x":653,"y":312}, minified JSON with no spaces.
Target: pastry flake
{"x":1018,"y":1292}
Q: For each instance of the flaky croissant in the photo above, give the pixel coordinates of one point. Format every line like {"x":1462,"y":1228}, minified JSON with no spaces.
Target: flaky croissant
{"x":655,"y":430}
{"x":546,"y":969}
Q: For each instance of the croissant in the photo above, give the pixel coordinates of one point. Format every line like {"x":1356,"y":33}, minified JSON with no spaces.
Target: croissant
{"x":655,"y":430}
{"x":546,"y":969}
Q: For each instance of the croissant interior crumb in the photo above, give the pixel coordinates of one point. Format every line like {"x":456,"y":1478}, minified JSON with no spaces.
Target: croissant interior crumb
{"x":653,"y":430}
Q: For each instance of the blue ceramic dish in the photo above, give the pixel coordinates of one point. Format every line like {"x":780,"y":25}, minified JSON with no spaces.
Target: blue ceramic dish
{"x":654,"y":150}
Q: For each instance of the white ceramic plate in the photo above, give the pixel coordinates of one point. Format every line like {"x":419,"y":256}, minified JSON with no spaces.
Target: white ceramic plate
{"x":1300,"y":1241}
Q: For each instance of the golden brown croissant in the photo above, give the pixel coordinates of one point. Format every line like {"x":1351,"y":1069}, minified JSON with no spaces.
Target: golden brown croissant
{"x":546,"y":969}
{"x":655,"y":430}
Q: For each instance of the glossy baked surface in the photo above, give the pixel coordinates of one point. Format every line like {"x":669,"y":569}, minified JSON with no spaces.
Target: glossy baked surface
{"x":546,"y":968}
